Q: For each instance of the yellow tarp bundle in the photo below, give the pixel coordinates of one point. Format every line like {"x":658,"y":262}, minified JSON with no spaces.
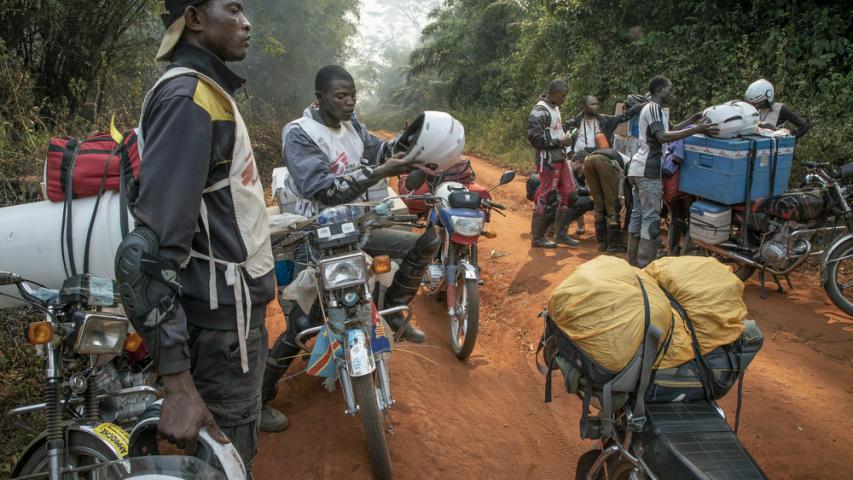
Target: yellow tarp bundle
{"x":710,"y":294}
{"x":600,"y":307}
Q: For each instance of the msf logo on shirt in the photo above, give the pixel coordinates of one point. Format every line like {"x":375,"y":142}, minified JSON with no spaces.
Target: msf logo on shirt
{"x":249,"y":175}
{"x":340,"y":165}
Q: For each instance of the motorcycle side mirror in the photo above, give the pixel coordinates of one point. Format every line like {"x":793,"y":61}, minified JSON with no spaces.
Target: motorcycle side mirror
{"x":415,"y":180}
{"x":507,"y":177}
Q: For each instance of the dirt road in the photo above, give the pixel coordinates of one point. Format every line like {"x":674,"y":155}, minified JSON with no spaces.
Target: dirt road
{"x":485,"y":418}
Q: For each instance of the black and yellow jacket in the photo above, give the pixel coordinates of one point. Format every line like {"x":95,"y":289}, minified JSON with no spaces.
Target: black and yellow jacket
{"x":189,"y":131}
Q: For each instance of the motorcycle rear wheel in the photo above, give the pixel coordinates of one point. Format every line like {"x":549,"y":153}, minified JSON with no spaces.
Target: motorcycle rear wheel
{"x":82,"y":450}
{"x":834,"y":287}
{"x":466,"y":323}
{"x":373,"y":422}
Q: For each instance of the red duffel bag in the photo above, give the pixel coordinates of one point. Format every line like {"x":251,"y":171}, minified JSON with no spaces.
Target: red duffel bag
{"x":90,"y":166}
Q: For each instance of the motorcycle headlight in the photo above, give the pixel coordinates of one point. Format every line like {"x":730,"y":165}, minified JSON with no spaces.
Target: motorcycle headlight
{"x":100,"y":333}
{"x":467,"y":226}
{"x":342,"y":272}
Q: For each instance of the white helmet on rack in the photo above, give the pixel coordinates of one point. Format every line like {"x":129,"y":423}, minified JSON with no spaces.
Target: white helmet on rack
{"x":759,"y":91}
{"x":445,"y":189}
{"x":434,"y":138}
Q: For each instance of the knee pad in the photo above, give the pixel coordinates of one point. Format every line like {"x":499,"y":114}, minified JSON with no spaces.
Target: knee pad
{"x":136,"y":265}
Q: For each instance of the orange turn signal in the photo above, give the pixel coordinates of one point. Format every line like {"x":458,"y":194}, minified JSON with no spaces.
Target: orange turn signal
{"x":489,"y":234}
{"x":382,"y":264}
{"x":132,"y":342}
{"x":40,"y":333}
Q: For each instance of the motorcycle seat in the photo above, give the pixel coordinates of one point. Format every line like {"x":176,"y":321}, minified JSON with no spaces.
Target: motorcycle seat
{"x":464,"y":199}
{"x":693,"y":441}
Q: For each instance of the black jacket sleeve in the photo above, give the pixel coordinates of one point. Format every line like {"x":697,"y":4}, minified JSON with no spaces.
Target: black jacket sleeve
{"x":538,"y":132}
{"x":177,"y":152}
{"x":787,"y":115}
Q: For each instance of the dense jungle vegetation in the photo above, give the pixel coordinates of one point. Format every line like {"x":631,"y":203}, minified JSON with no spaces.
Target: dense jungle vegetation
{"x":67,"y":66}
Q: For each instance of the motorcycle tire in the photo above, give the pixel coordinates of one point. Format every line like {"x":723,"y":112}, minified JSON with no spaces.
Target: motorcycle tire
{"x":463,"y":331}
{"x":835,"y":292}
{"x":373,"y":422}
{"x":83,"y":450}
{"x":585,"y":463}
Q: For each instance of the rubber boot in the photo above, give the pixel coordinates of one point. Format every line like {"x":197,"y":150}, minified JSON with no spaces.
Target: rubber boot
{"x":408,"y":280}
{"x":633,"y":247}
{"x":538,"y":226}
{"x":279,"y":360}
{"x":615,"y":239}
{"x":565,"y":217}
{"x":676,"y":229}
{"x":601,"y":235}
{"x":647,"y":251}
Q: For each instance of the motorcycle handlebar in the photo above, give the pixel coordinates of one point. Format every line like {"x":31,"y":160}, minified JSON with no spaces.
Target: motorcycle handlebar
{"x":492,"y":204}
{"x":9,"y":278}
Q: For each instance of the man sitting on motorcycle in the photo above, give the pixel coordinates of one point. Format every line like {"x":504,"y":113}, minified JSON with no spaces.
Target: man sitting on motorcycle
{"x":331,"y":160}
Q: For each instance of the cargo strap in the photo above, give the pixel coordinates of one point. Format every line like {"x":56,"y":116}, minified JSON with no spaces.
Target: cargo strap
{"x":651,"y":337}
{"x":68,"y":158}
{"x":750,"y":168}
{"x":650,"y":347}
{"x":705,"y":373}
{"x":740,"y":375}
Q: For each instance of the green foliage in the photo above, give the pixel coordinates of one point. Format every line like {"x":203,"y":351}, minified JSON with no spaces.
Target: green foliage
{"x":496,"y":56}
{"x":297,"y":38}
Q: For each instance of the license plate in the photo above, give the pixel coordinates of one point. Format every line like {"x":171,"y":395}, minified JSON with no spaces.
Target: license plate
{"x":360,"y":356}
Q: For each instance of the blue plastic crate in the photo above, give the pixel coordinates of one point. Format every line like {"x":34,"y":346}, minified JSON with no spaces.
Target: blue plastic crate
{"x":715,"y":168}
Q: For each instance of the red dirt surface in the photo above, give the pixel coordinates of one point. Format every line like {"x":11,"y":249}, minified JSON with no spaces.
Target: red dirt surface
{"x":485,"y":418}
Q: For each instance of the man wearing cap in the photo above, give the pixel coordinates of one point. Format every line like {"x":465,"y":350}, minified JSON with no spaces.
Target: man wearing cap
{"x":200,"y":194}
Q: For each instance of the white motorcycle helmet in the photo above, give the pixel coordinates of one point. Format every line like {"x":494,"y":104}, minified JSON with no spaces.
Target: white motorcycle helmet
{"x":733,"y":118}
{"x":759,"y":91}
{"x":445,"y":189}
{"x":435,"y":138}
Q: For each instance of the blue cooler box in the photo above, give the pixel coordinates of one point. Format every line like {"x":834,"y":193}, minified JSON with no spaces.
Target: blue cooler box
{"x":715,"y":168}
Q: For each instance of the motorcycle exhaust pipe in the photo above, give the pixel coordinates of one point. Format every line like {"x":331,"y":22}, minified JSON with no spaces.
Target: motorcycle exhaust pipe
{"x":727,"y":253}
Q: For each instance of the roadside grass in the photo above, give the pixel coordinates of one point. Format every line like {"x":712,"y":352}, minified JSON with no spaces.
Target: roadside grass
{"x":21,"y":383}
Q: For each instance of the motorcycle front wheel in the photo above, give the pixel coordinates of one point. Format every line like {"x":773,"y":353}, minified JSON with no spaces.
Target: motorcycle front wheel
{"x":465,"y":323}
{"x":839,"y":277}
{"x":82,"y":450}
{"x":373,"y":423}
{"x":615,"y":468}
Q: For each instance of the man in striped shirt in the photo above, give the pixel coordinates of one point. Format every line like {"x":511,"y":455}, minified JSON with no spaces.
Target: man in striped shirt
{"x":644,"y":172}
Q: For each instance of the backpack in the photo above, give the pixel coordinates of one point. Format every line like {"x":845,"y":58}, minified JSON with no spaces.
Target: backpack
{"x":608,"y":389}
{"x":87,"y":168}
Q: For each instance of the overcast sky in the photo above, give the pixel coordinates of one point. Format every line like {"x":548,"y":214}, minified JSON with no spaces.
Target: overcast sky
{"x":383,"y":21}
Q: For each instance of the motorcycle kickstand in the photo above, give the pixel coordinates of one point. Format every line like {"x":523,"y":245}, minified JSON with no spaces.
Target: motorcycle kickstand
{"x":762,"y":289}
{"x":788,"y":279}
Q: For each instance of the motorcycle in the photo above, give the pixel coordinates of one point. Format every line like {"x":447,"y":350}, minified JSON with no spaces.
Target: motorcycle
{"x":815,"y":220}
{"x":681,"y":434}
{"x":461,"y":213}
{"x":96,"y":380}
{"x":351,"y":347}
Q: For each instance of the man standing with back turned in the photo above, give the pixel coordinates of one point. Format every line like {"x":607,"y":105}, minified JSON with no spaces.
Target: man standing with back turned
{"x":201,"y":220}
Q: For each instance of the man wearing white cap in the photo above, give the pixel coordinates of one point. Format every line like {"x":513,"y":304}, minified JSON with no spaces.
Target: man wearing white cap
{"x":200,"y":194}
